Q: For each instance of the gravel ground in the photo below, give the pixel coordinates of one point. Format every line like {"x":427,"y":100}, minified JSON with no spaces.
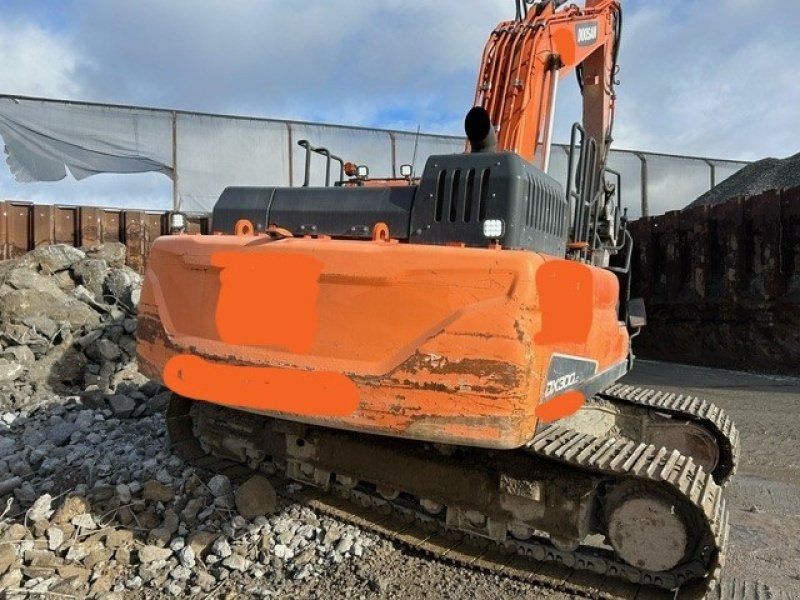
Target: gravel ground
{"x":756,"y":178}
{"x":132,"y":510}
{"x":109,"y":513}
{"x":764,"y":496}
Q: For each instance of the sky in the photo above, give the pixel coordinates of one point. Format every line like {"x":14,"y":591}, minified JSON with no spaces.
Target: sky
{"x":702,"y":77}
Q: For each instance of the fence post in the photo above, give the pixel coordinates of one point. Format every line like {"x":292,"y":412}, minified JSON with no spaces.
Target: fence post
{"x":291,"y":152}
{"x":713,"y":168}
{"x":645,"y":198}
{"x":176,"y":200}
{"x":393,"y":153}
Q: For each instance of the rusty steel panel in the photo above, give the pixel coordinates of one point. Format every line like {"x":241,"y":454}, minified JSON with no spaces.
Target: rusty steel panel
{"x":193,"y":226}
{"x":65,"y":225}
{"x":672,"y":253}
{"x":764,"y":220}
{"x":134,"y":239}
{"x":731,"y":240}
{"x":112,"y":225}
{"x":695,"y":251}
{"x":644,"y":258}
{"x":198,"y":224}
{"x":658,"y":257}
{"x":728,"y":291}
{"x":43,"y":224}
{"x":3,"y":236}
{"x":19,"y":228}
{"x":155,"y":225}
{"x":90,"y":225}
{"x":715,"y":265}
{"x":790,"y":248}
{"x":24,"y":225}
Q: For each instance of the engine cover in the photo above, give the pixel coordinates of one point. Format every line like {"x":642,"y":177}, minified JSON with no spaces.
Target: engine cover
{"x":456,"y":195}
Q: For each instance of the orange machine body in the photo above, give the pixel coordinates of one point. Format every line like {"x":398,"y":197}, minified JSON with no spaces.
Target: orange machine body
{"x":439,"y":343}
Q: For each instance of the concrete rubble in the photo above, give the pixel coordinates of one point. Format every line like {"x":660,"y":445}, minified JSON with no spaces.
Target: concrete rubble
{"x":92,"y":503}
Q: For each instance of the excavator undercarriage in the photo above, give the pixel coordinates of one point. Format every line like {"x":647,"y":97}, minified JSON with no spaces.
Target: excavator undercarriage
{"x":589,"y":499}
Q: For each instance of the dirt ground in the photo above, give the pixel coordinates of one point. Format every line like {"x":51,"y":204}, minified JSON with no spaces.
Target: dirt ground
{"x":764,"y":496}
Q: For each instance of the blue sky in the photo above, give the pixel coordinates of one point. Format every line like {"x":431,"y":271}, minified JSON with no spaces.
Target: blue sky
{"x":703,"y":77}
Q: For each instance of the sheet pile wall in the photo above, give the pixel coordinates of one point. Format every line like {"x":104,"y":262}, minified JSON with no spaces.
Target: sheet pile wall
{"x":722,"y":283}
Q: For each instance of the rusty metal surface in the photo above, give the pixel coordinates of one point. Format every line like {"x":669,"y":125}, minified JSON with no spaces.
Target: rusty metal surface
{"x":18,"y":228}
{"x":24,"y":225}
{"x":722,"y":283}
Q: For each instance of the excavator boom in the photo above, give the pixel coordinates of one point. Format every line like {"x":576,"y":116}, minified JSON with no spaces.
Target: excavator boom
{"x":524,"y":60}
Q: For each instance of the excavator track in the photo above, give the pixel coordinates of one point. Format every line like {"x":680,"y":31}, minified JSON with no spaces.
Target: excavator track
{"x":707,"y":415}
{"x":228,"y":441}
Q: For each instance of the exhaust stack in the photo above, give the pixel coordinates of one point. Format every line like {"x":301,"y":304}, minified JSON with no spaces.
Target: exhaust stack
{"x":480,"y":131}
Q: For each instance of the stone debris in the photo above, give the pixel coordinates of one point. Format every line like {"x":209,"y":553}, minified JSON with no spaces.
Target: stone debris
{"x":92,"y":502}
{"x":67,"y":327}
{"x":103,"y":520}
{"x":256,"y":497}
{"x":219,"y":486}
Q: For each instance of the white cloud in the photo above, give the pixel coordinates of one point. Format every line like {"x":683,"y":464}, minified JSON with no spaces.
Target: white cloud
{"x":35,"y":62}
{"x":359,"y":62}
{"x":711,"y":78}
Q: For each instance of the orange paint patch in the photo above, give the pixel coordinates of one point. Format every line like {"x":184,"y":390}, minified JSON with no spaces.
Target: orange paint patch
{"x":561,"y":406}
{"x":268,"y":300}
{"x":309,"y":393}
{"x":564,"y":44}
{"x":566,"y":296}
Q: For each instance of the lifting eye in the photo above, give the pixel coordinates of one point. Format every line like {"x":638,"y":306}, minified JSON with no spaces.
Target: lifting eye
{"x":380,"y":232}
{"x":243,"y":227}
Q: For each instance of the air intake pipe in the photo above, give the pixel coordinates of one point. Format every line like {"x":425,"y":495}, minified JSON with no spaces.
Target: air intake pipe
{"x":480,"y":131}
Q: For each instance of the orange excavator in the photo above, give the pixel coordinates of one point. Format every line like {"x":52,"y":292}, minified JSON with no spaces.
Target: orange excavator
{"x":444,"y":353}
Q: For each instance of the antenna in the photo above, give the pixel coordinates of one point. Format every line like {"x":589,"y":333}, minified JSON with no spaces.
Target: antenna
{"x":414,"y":157}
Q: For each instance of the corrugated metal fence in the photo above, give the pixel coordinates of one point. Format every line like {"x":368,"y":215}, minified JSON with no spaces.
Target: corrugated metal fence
{"x":24,"y":225}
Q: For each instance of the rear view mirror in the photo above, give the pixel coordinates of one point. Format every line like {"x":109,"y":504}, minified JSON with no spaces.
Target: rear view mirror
{"x":637,"y":315}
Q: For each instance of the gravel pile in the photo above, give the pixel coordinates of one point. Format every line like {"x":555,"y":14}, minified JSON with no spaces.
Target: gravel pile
{"x":108,"y":512}
{"x":91,"y":500}
{"x":756,"y":178}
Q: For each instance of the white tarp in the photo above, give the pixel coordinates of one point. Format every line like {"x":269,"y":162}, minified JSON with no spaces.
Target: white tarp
{"x":46,"y":138}
{"x":43,"y":139}
{"x":214,"y":153}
